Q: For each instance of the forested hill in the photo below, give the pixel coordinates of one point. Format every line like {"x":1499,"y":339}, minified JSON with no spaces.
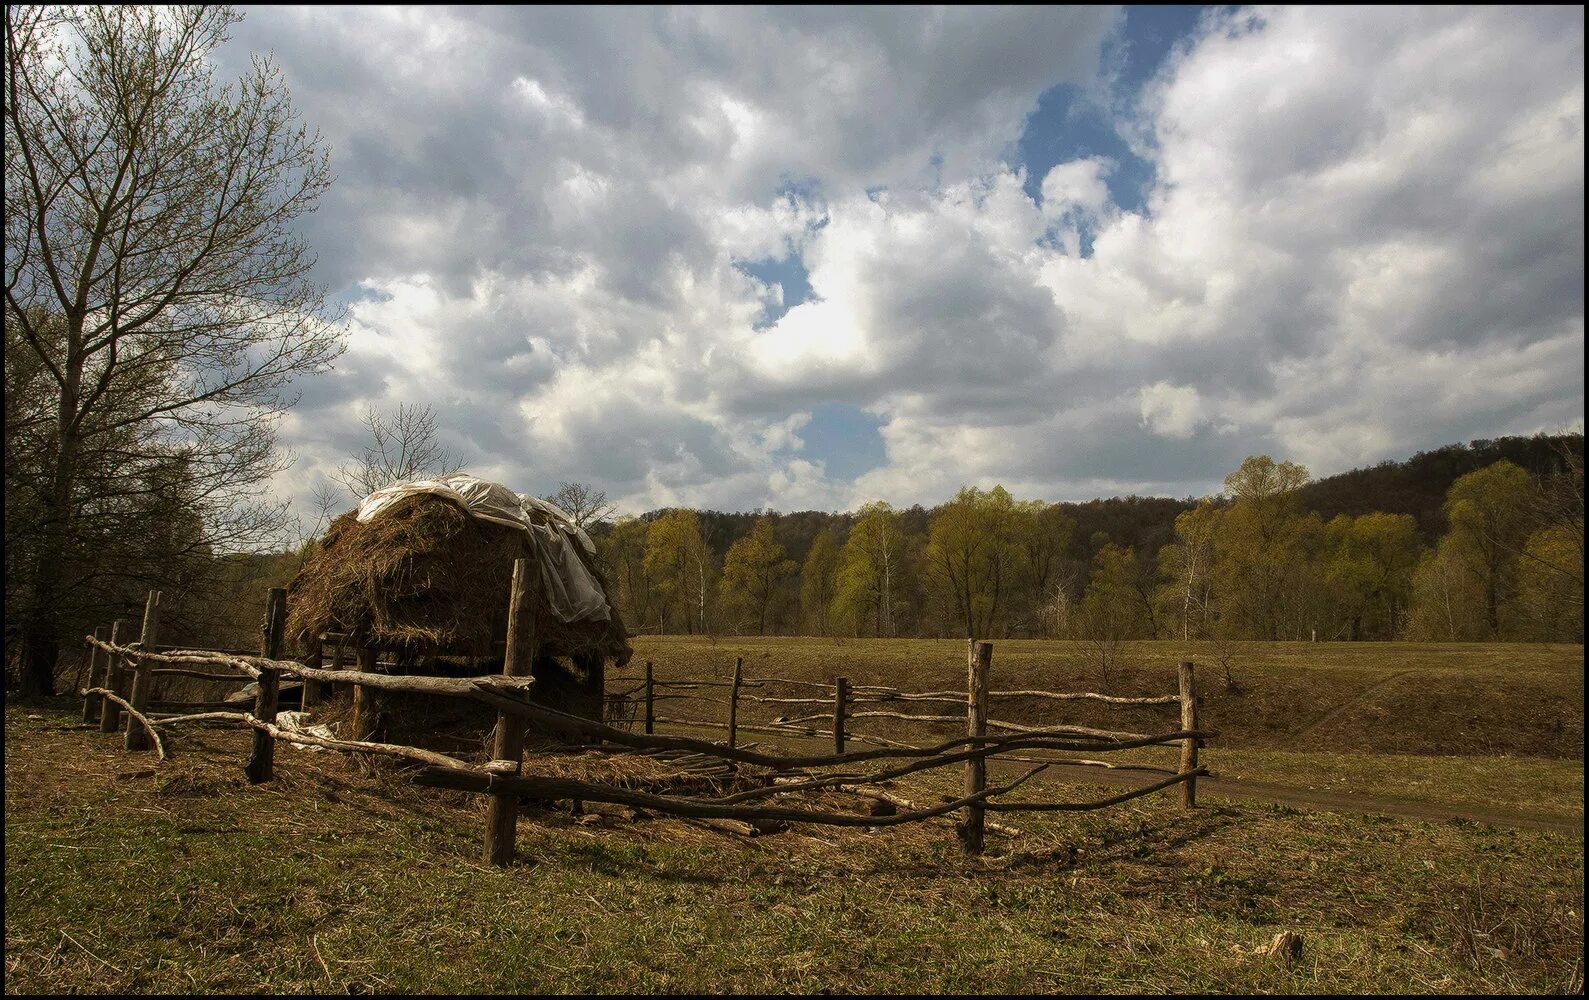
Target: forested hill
{"x":1418,"y":485}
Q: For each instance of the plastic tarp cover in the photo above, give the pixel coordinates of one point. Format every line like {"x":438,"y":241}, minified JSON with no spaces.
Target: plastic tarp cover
{"x":569,"y":589}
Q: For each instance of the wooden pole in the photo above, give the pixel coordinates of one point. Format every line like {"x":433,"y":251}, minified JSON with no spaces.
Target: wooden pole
{"x":979,"y":658}
{"x":1188,"y":745}
{"x":841,"y":695}
{"x":137,"y":737}
{"x":314,"y":692}
{"x":502,"y":811}
{"x":733,"y":703}
{"x":115,"y":680}
{"x":262,"y":760}
{"x":364,"y":704}
{"x":96,"y":676}
{"x":651,"y":703}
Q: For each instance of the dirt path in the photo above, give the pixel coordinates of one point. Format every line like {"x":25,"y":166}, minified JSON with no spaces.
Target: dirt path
{"x":1245,"y":790}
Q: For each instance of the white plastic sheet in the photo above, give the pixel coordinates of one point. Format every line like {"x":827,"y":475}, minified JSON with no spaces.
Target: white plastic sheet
{"x":569,"y":589}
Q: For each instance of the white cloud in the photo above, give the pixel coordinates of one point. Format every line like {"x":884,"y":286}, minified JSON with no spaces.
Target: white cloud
{"x":1172,"y":410}
{"x":1365,"y":236}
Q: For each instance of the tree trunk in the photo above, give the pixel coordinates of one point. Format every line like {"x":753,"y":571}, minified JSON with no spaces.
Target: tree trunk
{"x":41,"y":638}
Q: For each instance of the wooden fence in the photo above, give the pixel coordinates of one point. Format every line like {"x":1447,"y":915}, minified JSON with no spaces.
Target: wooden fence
{"x":777,"y":773}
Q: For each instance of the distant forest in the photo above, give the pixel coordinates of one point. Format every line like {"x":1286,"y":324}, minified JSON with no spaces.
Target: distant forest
{"x":1468,"y":542}
{"x":1474,"y":541}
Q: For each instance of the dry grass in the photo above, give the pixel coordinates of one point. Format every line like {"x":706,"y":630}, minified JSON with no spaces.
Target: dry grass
{"x":1523,"y":700}
{"x":125,"y":876}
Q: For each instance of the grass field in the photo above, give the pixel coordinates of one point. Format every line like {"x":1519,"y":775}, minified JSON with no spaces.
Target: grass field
{"x":124,"y":875}
{"x":1516,"y":699}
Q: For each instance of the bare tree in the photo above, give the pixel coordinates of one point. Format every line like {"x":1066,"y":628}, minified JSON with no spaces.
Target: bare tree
{"x":152,"y":268}
{"x":403,"y":445}
{"x":582,"y":502}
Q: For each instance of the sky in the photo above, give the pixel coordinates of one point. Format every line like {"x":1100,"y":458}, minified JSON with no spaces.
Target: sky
{"x":807,"y":258}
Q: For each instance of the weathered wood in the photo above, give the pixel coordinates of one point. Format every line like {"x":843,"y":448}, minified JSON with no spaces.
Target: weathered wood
{"x":205,"y":675}
{"x":134,"y":718}
{"x":502,"y":812}
{"x":244,"y":665}
{"x":137,"y":737}
{"x":951,"y":697}
{"x":733,"y":702}
{"x":427,"y":757}
{"x":262,"y":758}
{"x":98,"y":667}
{"x":363,"y":721}
{"x":573,"y":727}
{"x":1189,"y":746}
{"x":841,"y":698}
{"x":314,"y":692}
{"x":543,"y":787}
{"x":651,"y":701}
{"x":900,"y":802}
{"x":979,"y":657}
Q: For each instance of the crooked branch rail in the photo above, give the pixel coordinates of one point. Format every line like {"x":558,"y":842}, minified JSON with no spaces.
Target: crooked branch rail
{"x":786,"y":773}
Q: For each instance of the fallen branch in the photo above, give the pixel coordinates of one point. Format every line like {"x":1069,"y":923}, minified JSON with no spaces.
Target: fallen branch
{"x":427,"y":757}
{"x":544,"y":787}
{"x":900,"y":802}
{"x":143,"y":720}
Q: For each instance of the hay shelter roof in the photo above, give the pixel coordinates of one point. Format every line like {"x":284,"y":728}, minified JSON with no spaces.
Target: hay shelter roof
{"x":426,"y":567}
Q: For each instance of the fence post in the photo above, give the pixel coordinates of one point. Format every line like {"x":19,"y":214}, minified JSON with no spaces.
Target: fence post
{"x":1188,"y":745}
{"x":262,"y":761}
{"x":841,"y":695}
{"x":95,"y":675}
{"x":109,"y":711}
{"x":364,"y":706}
{"x":651,"y":709}
{"x":137,"y":737}
{"x":315,"y":656}
{"x":733,"y":703}
{"x":979,"y":658}
{"x":502,"y":809}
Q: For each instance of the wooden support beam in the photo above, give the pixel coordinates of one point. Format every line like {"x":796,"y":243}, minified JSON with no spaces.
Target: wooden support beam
{"x":502,"y":811}
{"x":98,"y":666}
{"x":365,"y":707}
{"x":651,"y":701}
{"x":262,"y":759}
{"x":1189,"y":745}
{"x":733,"y":702}
{"x":314,"y":692}
{"x":979,"y":658}
{"x":115,"y":679}
{"x":137,"y":738}
{"x":841,"y":698}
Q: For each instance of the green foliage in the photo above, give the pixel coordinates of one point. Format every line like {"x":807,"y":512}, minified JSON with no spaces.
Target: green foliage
{"x":754,"y":573}
{"x":680,"y":570}
{"x":818,"y":584}
{"x":872,"y":569}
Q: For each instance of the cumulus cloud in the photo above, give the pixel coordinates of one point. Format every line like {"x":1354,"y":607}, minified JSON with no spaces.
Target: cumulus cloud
{"x":1364,"y":235}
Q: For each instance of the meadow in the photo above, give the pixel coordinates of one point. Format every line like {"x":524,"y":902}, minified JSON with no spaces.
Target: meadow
{"x":125,"y":874}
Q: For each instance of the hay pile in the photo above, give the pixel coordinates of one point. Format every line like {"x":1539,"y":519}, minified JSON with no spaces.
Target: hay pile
{"x":423,"y":578}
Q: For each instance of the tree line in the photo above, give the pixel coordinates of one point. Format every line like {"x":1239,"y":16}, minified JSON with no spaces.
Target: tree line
{"x":1504,"y":561}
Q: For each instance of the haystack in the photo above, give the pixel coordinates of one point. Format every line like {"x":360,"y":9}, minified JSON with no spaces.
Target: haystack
{"x":425,"y":577}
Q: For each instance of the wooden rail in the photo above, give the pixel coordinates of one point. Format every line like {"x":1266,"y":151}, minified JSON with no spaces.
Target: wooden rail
{"x":781,"y":773}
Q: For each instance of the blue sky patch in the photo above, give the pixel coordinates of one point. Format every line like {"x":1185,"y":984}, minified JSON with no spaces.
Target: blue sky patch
{"x":846,"y":438}
{"x":1071,"y":124}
